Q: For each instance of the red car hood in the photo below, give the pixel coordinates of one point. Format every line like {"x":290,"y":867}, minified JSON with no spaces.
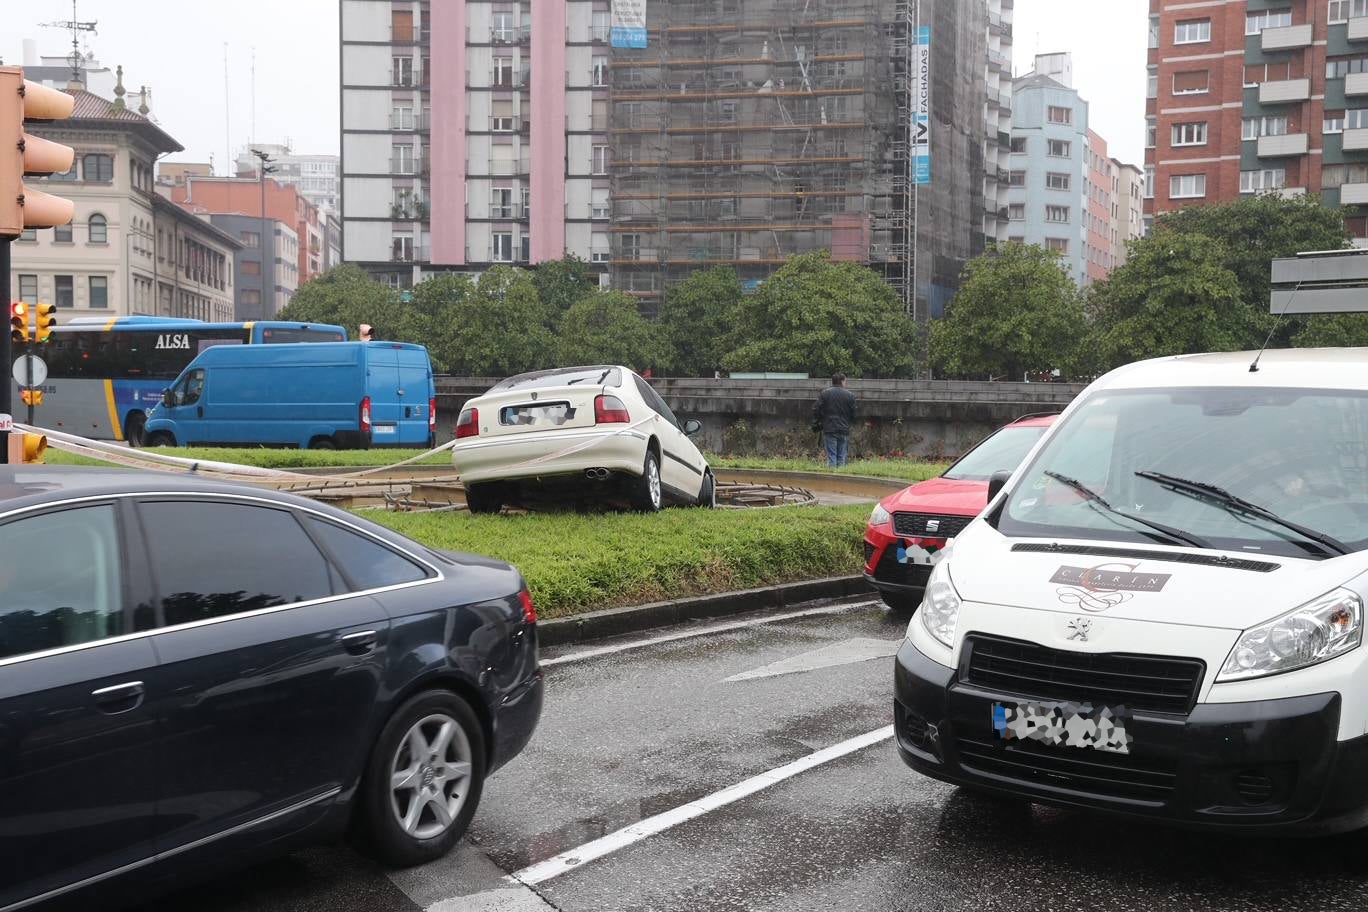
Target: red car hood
{"x":940,"y":495}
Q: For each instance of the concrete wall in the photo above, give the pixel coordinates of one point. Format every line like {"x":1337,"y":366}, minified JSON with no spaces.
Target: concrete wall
{"x":934,"y":418}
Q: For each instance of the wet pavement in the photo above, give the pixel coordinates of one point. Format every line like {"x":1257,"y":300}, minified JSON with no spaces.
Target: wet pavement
{"x":631,"y":735}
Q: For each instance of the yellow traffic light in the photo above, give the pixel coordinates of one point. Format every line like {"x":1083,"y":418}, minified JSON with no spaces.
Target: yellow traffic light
{"x":19,"y":327}
{"x":35,"y":445}
{"x":31,"y":396}
{"x":22,"y":154}
{"x":44,"y":322}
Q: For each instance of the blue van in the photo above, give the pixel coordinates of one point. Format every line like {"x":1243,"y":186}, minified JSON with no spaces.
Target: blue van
{"x":323,"y":395}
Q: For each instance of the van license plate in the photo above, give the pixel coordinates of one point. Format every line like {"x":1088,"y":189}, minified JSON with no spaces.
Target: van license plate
{"x":1078,"y":725}
{"x":384,"y":429}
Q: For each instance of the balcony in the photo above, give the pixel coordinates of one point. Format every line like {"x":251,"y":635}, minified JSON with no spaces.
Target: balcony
{"x":1001,"y":60}
{"x":1291,"y":192}
{"x":1356,"y":140}
{"x":408,"y":209}
{"x":1287,"y":38}
{"x":406,"y":165}
{"x":1284,"y":91}
{"x":1281,"y":146}
{"x":408,"y":123}
{"x":1354,"y":195}
{"x":1356,"y":84}
{"x":1358,"y":28}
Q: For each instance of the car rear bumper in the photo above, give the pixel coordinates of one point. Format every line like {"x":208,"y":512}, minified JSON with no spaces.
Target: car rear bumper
{"x":548,"y":455}
{"x":1264,"y":766}
{"x":515,"y":719}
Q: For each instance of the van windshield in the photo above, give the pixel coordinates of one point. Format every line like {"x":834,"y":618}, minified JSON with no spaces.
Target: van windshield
{"x":1298,"y":454}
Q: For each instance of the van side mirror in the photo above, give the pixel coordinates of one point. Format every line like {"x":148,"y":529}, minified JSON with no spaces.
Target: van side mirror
{"x":167,"y":399}
{"x":692,"y":426}
{"x":997,"y":481}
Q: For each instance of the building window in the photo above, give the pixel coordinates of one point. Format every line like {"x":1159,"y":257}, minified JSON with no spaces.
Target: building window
{"x":1333,"y":123}
{"x":1152,"y":86}
{"x":1056,"y":213}
{"x":602,"y":26}
{"x":598,"y":203}
{"x":1254,"y":127}
{"x":251,"y":267}
{"x":62,"y":234}
{"x":1338,"y":69}
{"x":1017,"y":212}
{"x":631,"y":246}
{"x":401,"y":160}
{"x":1149,"y":182}
{"x":99,"y":292}
{"x":1260,"y":181}
{"x":1018,"y":144}
{"x":97,"y":167}
{"x":1189,"y":134}
{"x":600,"y":71}
{"x":1057,"y":180}
{"x":250,"y":297}
{"x":502,"y":74}
{"x":401,"y":248}
{"x":28,"y":289}
{"x":1016,"y":178}
{"x":401,"y":118}
{"x":1187,"y":186}
{"x":250,"y":239}
{"x":501,"y":203}
{"x":1059,"y":148}
{"x":502,"y":28}
{"x":98,"y":229}
{"x":1190,"y":82}
{"x":1059,"y":115}
{"x":503,"y":247}
{"x":1257,"y":22}
{"x":601,"y":159}
{"x":65,"y":288}
{"x":1058,"y":245}
{"x":1356,"y":119}
{"x":1153,"y":32}
{"x":1192,"y":31}
{"x":401,"y":71}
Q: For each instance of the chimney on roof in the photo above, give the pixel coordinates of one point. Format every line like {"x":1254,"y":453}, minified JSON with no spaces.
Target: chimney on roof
{"x":119,"y":89}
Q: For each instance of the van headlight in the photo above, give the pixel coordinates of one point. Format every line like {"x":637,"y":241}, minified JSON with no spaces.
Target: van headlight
{"x":939,"y":611}
{"x":1319,"y":630}
{"x":879,"y":516}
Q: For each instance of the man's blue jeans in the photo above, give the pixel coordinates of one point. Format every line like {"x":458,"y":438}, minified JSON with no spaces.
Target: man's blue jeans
{"x":837,"y":449}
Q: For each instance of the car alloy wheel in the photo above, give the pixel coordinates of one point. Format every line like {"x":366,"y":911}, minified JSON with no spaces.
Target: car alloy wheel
{"x":653,"y":482}
{"x":430,"y":776}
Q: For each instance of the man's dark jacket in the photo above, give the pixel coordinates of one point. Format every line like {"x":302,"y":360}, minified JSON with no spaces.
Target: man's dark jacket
{"x":835,"y":409}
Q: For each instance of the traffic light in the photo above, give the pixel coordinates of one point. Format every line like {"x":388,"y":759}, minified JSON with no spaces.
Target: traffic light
{"x":35,"y":445}
{"x":44,"y":322}
{"x":22,"y":154}
{"x":19,"y":327}
{"x":31,"y":396}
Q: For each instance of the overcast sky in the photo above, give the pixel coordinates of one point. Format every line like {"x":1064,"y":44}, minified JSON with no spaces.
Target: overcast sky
{"x":177,"y":47}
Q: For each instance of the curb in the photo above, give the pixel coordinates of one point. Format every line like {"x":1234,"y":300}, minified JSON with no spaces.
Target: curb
{"x":597,"y":625}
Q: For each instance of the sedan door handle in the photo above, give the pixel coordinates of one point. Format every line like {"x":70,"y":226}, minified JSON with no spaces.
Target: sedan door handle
{"x":119,"y":698}
{"x":361,"y":642}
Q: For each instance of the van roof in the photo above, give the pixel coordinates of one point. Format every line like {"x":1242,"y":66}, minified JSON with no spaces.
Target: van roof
{"x":1304,"y":368}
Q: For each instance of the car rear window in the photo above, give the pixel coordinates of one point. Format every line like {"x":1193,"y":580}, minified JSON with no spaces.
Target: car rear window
{"x":578,"y":376}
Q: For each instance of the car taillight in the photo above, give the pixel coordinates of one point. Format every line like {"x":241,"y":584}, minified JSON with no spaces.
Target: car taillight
{"x":365,"y":415}
{"x":468,"y":425}
{"x":432,"y":415}
{"x":610,"y":410}
{"x":529,"y":610}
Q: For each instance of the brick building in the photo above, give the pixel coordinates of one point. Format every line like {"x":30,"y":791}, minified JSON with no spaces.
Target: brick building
{"x":1258,"y":96}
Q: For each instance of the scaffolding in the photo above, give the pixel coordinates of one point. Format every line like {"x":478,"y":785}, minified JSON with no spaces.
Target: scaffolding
{"x":747,"y":132}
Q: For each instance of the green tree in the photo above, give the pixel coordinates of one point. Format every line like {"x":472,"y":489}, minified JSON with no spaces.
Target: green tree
{"x":1017,"y":310}
{"x":819,"y":316}
{"x":492,"y":328}
{"x":438,"y":306}
{"x":1332,"y":331}
{"x":697,"y":317}
{"x":607,"y":328}
{"x":347,"y":296}
{"x":1175,"y":295}
{"x":562,"y":283}
{"x":1254,"y":230}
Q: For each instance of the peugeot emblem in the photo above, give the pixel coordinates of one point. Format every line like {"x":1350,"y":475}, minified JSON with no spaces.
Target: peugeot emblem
{"x":933,"y":525}
{"x":534,"y":397}
{"x":1079,"y":628}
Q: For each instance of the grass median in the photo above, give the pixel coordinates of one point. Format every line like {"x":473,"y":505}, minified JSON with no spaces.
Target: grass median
{"x":575,"y":563}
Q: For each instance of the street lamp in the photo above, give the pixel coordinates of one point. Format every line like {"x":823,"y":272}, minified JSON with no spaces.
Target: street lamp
{"x":263,"y":168}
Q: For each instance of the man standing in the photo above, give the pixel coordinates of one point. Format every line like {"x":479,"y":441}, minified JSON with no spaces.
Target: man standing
{"x":833,"y":415}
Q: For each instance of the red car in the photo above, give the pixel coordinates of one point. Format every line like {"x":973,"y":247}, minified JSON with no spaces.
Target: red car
{"x":907,"y":528}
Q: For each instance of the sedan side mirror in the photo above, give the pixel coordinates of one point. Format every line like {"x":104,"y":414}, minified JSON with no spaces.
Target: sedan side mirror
{"x":692,"y":426}
{"x":167,"y":399}
{"x":997,"y":481}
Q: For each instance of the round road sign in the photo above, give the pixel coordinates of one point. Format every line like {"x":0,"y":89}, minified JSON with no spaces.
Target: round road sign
{"x":22,"y":368}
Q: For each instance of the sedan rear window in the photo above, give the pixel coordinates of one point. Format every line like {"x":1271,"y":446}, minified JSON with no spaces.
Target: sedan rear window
{"x":575,"y":376}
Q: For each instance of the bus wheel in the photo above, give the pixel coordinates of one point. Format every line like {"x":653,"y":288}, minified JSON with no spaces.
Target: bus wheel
{"x":161,"y":439}
{"x":133,"y":430}
{"x":322,"y":443}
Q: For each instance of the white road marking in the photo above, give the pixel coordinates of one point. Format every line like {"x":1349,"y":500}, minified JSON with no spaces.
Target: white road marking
{"x":700,"y":631}
{"x":846,"y":652}
{"x":606,"y":845}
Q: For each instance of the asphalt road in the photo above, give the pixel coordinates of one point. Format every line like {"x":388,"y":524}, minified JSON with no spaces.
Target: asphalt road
{"x":683,"y":775}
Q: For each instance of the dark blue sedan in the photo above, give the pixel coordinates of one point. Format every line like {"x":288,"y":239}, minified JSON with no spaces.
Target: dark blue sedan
{"x":193,"y":674}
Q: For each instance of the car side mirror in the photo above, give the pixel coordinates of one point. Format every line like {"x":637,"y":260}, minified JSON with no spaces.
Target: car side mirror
{"x":167,"y":399}
{"x":692,"y":426}
{"x":997,"y":481}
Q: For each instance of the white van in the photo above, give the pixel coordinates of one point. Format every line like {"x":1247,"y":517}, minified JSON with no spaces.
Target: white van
{"x":1160,"y":613}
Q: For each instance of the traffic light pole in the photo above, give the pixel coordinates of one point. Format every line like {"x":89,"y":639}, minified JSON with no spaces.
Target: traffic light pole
{"x":6,"y":355}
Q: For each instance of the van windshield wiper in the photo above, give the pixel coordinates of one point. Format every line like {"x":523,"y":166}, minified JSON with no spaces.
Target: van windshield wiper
{"x":1220,"y":495}
{"x":1099,"y":502}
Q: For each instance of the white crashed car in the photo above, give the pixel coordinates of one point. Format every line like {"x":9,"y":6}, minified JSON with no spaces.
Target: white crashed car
{"x":576,"y":434}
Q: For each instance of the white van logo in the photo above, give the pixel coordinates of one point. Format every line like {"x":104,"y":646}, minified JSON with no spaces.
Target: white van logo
{"x":1104,"y":586}
{"x":173,"y":340}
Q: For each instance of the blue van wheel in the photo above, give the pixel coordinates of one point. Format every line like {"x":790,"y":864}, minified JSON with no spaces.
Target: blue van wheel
{"x":161,"y":439}
{"x":322,"y":443}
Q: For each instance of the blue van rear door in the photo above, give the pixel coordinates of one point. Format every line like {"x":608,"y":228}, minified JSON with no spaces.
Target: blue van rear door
{"x":415,"y":382}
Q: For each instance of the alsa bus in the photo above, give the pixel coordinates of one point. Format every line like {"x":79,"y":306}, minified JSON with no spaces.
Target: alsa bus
{"x":104,"y":376}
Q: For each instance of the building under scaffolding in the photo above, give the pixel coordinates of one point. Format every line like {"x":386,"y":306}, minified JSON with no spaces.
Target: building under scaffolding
{"x":751,"y":130}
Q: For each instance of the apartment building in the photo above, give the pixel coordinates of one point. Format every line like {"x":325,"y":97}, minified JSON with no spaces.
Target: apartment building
{"x":494,"y":150}
{"x":1256,"y":97}
{"x":1128,"y":207}
{"x":997,"y":152}
{"x":314,"y":176}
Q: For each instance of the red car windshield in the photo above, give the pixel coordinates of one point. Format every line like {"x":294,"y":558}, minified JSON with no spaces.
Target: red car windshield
{"x":1001,"y":451}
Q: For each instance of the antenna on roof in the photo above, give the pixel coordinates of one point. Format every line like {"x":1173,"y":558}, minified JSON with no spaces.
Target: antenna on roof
{"x":1254,"y":368}
{"x":74,"y":26}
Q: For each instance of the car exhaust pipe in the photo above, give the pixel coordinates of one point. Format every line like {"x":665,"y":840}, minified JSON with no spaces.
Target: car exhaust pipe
{"x":599,"y":474}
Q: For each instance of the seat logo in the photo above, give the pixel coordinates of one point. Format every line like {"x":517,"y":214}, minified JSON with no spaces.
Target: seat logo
{"x":933,"y":525}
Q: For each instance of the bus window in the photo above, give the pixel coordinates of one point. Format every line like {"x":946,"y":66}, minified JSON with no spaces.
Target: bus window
{"x":275,"y":335}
